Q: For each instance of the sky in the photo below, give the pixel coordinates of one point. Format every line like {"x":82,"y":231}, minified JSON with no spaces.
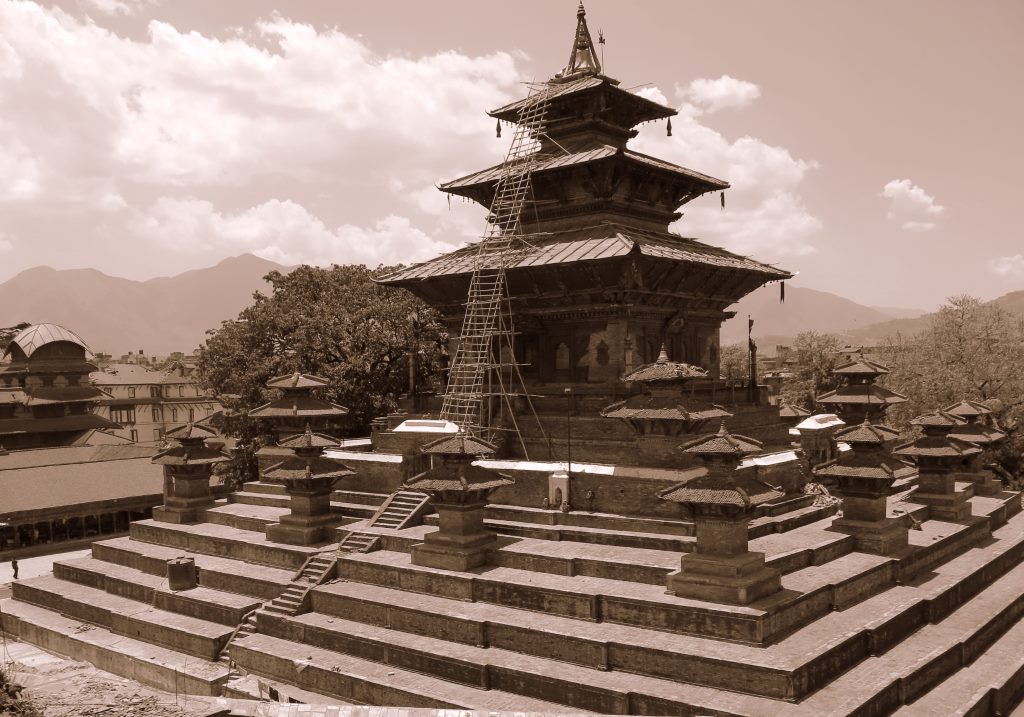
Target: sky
{"x":874,"y":147}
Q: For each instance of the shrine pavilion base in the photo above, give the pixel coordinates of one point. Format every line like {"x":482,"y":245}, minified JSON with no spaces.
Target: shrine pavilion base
{"x":570,"y":613}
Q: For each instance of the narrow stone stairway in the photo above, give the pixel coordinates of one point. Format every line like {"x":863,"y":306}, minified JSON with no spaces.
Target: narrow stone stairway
{"x":400,"y":509}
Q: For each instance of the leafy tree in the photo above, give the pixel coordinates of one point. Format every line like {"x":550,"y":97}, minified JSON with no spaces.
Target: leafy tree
{"x":815,"y":356}
{"x":734,"y":362}
{"x":970,"y":350}
{"x":336,"y":323}
{"x":9,"y":332}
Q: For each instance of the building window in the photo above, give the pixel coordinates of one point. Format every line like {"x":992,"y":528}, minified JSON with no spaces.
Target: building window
{"x":131,"y":392}
{"x":156,"y":414}
{"x":124,"y":415}
{"x":154,"y":392}
{"x":181,"y":392}
{"x":157,"y":434}
{"x":174,"y":415}
{"x":191,"y":415}
{"x":134,"y":436}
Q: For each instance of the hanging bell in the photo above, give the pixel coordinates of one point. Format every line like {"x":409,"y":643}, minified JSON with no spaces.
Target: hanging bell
{"x":668,"y":127}
{"x":722,"y":195}
{"x":497,"y":129}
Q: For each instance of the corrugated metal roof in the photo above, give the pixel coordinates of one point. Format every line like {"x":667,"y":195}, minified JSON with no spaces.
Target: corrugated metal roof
{"x":492,"y":174}
{"x":67,"y":485}
{"x":603,"y":241}
{"x":584,"y":83}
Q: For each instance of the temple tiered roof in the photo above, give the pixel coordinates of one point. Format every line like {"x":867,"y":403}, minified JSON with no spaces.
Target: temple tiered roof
{"x":190,"y":449}
{"x":456,"y":471}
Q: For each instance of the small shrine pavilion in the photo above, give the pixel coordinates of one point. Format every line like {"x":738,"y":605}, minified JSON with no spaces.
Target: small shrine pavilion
{"x":940,"y":458}
{"x":458,"y":490}
{"x":860,"y":397}
{"x":721,"y":504}
{"x":864,"y":477}
{"x":188,"y":466}
{"x":297,"y":407}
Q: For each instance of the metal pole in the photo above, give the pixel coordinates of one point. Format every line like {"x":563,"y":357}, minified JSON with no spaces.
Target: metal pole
{"x":568,"y":431}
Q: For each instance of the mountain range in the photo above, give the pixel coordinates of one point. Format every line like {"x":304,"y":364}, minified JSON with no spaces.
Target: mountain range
{"x":116,"y":315}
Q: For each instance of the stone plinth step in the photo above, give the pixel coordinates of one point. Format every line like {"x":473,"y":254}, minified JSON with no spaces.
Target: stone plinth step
{"x":245,"y":516}
{"x":222,"y":540}
{"x":128,"y":657}
{"x":125,"y":616}
{"x":364,"y":682}
{"x":270,"y":500}
{"x":359,"y":497}
{"x":219,"y":606}
{"x":492,"y":668}
{"x":586,"y":519}
{"x":219,"y":573}
{"x":251,"y":687}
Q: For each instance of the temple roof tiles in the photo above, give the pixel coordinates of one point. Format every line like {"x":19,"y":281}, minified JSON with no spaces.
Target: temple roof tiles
{"x":308,"y":439}
{"x":789,"y":410}
{"x":298,"y":468}
{"x":190,"y":432}
{"x":861,"y":394}
{"x":735,"y":490}
{"x":664,"y":369}
{"x":460,"y":444}
{"x":606,"y":240}
{"x":465,"y":478}
{"x":861,"y":366}
{"x":297,"y":380}
{"x":936,"y":447}
{"x":722,"y":443}
{"x":937,"y":419}
{"x":639,"y":409}
{"x":493,"y":174}
{"x":968,"y":409}
{"x":977,"y":433}
{"x":42,"y":395}
{"x":292,"y":406}
{"x":867,"y":433}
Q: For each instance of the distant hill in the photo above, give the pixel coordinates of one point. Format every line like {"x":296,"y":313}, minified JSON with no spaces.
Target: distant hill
{"x":803,"y":310}
{"x":116,"y":315}
{"x":811,"y":310}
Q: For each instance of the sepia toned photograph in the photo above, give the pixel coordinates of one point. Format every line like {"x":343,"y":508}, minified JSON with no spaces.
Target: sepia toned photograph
{"x":451,"y":358}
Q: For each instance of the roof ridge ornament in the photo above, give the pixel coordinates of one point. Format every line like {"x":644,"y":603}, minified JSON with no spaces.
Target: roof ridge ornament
{"x":583,"y":58}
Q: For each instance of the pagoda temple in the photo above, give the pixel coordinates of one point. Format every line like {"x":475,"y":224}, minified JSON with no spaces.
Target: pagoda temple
{"x":602,"y":283}
{"x":859,"y":396}
{"x":297,"y":406}
{"x":46,"y":398}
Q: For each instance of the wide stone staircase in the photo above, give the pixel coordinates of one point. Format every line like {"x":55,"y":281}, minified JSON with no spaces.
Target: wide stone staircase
{"x":572,"y":615}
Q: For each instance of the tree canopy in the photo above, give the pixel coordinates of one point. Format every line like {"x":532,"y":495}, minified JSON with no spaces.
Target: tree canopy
{"x":815,"y":355}
{"x":336,"y":323}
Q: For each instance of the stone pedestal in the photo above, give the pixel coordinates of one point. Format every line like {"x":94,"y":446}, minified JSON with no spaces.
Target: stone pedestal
{"x":310,"y":520}
{"x":865,"y":517}
{"x":721,"y":569}
{"x":461,"y":542}
{"x":938,"y":492}
{"x":188,"y":497}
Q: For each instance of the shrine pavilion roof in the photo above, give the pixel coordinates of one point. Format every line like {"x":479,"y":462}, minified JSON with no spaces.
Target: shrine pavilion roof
{"x":297,"y":380}
{"x":654,"y":407}
{"x":189,"y":456}
{"x":867,"y":433}
{"x":977,"y":433}
{"x":723,"y":443}
{"x":860,"y":465}
{"x":54,"y":425}
{"x":31,"y":339}
{"x":936,"y":447}
{"x":736,"y":490}
{"x":461,"y":478}
{"x":861,"y":366}
{"x":308,"y":440}
{"x":607,"y":240}
{"x":789,"y":410}
{"x":968,"y":409}
{"x":292,"y":406}
{"x":297,"y":468}
{"x":190,"y":432}
{"x":641,"y":108}
{"x":663,"y":369}
{"x":938,"y":419}
{"x":460,"y":444}
{"x":862,"y":394}
{"x":493,"y":174}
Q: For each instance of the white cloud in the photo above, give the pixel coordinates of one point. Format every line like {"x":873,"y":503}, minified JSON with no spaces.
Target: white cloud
{"x":652,"y":93}
{"x":120,"y":7}
{"x":919,"y":226}
{"x":911,"y":205}
{"x":765,"y":215}
{"x":283,"y":231}
{"x":725,"y":92}
{"x":1009,"y":266}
